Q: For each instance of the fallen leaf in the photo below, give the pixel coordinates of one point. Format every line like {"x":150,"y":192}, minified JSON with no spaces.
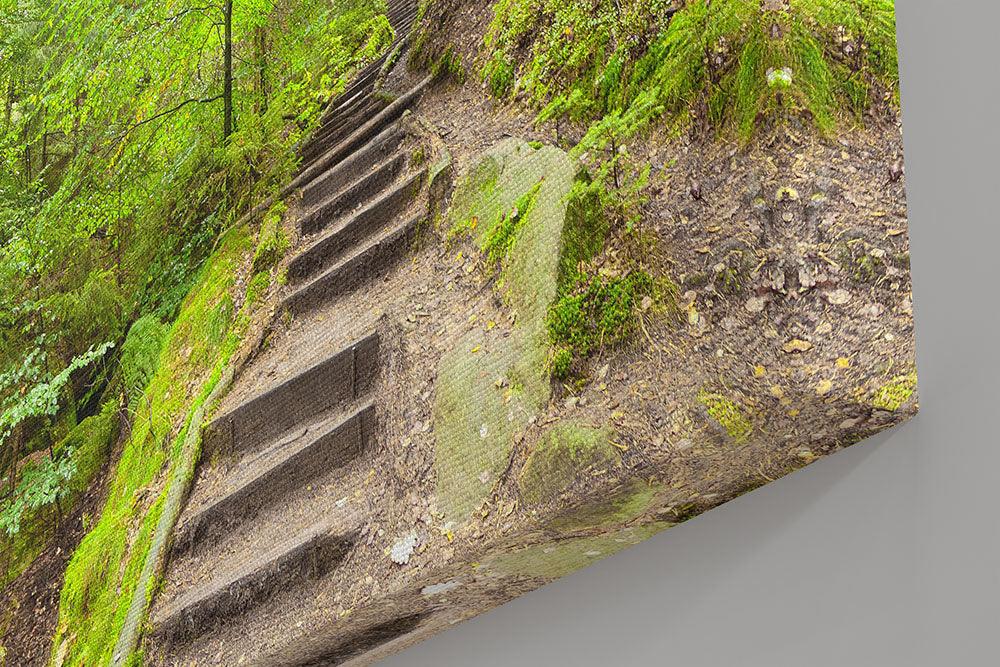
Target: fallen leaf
{"x":797,"y":345}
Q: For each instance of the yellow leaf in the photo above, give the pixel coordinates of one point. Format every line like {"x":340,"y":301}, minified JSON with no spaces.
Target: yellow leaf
{"x":843,"y":362}
{"x":759,"y":371}
{"x":824,"y":387}
{"x":797,"y":345}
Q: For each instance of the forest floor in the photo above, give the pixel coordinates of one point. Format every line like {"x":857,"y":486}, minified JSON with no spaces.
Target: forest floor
{"x":32,"y":599}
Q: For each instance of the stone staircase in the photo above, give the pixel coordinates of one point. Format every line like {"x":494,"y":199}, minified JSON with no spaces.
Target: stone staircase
{"x":270,"y":512}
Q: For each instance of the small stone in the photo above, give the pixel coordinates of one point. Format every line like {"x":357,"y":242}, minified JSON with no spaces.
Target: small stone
{"x":755,"y":305}
{"x":839,"y":297}
{"x":403,"y":549}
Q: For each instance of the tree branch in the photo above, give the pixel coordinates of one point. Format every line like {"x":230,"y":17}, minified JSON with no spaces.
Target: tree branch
{"x":193,"y":100}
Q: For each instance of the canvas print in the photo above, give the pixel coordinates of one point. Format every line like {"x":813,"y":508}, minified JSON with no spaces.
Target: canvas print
{"x":329,"y":324}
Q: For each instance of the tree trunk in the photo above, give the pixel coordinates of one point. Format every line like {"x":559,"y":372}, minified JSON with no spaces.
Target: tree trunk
{"x":262,"y":69}
{"x":227,"y":86}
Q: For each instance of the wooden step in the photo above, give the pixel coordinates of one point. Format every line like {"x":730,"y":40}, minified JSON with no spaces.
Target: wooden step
{"x":367,"y":187}
{"x":352,"y":117}
{"x":341,"y":175}
{"x":264,"y":479}
{"x":360,"y":225}
{"x":344,"y":377}
{"x":360,"y":268}
{"x":305,"y":556}
{"x":363,"y":134}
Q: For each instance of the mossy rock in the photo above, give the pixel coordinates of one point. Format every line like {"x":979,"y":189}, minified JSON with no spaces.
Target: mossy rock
{"x":565,"y":453}
{"x":620,"y":508}
{"x":91,"y":443}
{"x":476,"y":420}
{"x":551,"y":561}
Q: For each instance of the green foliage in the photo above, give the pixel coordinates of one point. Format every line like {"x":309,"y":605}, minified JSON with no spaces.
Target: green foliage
{"x":114,"y":176}
{"x":78,"y":458}
{"x":595,"y":312}
{"x":41,"y":484}
{"x":42,"y":400}
{"x":618,"y":66}
{"x":140,"y":354}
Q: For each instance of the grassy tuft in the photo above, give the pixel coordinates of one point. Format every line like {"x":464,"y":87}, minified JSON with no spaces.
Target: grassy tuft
{"x":725,"y":63}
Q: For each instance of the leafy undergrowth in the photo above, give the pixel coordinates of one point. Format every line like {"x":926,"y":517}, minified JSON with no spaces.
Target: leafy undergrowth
{"x":618,"y":66}
{"x":104,"y":570}
{"x":49,"y":487}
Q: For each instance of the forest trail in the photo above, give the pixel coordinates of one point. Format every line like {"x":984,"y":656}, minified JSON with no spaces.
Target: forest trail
{"x":290,"y":444}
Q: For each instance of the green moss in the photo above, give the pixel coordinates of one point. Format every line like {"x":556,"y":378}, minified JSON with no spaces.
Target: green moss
{"x":561,"y":362}
{"x":257,"y":288}
{"x":600,"y":311}
{"x":449,"y":64}
{"x":90,"y":442}
{"x":566,"y":452}
{"x":895,"y":393}
{"x":499,"y":241}
{"x":499,"y":75}
{"x":103,"y":572}
{"x":728,"y":414}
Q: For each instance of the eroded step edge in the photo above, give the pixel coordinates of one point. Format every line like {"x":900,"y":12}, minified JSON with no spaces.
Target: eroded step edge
{"x":364,"y":133}
{"x":306,"y":556}
{"x":364,"y":266}
{"x":340,"y":176}
{"x":363,"y":224}
{"x":359,"y":192}
{"x":270,"y":476}
{"x":343,"y":377}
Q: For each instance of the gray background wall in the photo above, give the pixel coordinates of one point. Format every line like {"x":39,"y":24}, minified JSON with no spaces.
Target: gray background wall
{"x":887,"y":554}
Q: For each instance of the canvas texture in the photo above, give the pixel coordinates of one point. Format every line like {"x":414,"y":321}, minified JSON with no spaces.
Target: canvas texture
{"x":537,"y":281}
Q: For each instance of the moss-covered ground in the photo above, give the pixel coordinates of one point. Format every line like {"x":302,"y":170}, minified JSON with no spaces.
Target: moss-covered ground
{"x":565,"y":452}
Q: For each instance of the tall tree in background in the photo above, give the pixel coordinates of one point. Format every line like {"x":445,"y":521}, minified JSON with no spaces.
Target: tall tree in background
{"x":227,"y":86}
